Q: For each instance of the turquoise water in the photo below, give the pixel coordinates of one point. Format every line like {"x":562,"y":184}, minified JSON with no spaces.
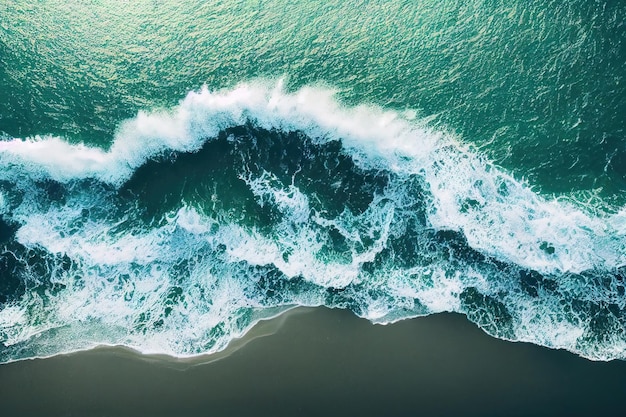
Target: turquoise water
{"x":172,"y":174}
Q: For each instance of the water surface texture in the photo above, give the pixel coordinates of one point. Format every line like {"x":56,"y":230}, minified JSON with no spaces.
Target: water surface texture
{"x":173,"y":173}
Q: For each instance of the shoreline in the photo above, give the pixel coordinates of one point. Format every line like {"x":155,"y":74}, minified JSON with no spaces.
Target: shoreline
{"x":316,"y":361}
{"x":262,"y":328}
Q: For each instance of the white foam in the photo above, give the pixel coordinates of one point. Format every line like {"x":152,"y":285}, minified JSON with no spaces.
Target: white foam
{"x":511,"y":226}
{"x":120,"y":281}
{"x":119,"y":284}
{"x":297,"y":247}
{"x":55,"y":158}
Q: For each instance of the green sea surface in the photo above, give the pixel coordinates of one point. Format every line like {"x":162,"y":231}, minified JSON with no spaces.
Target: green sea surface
{"x":538,"y":86}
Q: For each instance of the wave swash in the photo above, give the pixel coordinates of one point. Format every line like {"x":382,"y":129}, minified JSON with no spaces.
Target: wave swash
{"x":237,"y":205}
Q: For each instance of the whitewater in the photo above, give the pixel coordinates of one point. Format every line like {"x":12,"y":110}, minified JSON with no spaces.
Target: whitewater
{"x":266,"y":199}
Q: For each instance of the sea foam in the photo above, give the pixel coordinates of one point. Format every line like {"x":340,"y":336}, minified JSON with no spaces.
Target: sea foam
{"x":468,"y":193}
{"x":191,"y":281}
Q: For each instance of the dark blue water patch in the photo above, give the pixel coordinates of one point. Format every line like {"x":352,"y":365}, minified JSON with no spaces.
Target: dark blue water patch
{"x":213,"y":178}
{"x":25,"y":270}
{"x":488,"y":312}
{"x":54,"y":191}
{"x":11,"y":286}
{"x":201,"y":178}
{"x":7,"y":230}
{"x":278,"y":289}
{"x":532,"y":282}
{"x":344,"y":298}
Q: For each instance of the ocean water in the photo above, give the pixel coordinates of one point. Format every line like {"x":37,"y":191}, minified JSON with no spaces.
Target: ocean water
{"x":170,"y":174}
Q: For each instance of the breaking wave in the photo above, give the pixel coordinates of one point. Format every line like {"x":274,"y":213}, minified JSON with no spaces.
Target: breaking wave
{"x":237,"y":205}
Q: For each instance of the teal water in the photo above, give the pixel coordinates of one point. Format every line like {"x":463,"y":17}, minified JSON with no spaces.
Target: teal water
{"x":173,"y":173}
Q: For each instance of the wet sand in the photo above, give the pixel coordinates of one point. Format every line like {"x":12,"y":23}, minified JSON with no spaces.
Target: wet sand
{"x":320,"y":362}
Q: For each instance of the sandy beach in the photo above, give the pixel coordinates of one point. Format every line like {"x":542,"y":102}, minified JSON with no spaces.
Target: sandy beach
{"x":320,"y":362}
